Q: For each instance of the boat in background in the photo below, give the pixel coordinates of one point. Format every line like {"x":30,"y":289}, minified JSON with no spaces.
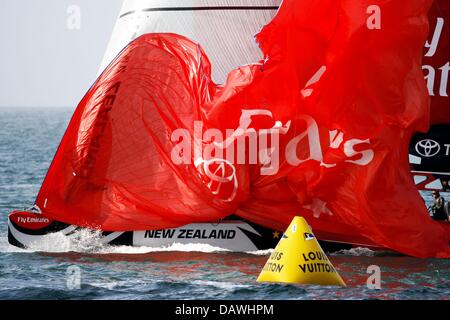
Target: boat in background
{"x":430,"y":152}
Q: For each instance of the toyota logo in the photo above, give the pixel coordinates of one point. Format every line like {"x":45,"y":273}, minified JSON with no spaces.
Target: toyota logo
{"x":428,"y":148}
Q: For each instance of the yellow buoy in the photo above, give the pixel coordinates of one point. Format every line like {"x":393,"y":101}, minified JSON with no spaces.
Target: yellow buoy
{"x":298,"y":258}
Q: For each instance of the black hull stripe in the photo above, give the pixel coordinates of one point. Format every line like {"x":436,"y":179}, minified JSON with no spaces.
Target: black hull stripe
{"x":125,"y":239}
{"x":14,"y":242}
{"x":218,"y":8}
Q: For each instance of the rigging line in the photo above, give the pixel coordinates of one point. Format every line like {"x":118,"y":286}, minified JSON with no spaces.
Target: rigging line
{"x":215,"y":8}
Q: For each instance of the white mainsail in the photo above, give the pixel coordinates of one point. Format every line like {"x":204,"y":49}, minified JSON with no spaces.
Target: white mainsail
{"x":224,"y":28}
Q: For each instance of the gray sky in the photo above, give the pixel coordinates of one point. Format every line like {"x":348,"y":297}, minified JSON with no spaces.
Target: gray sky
{"x":42,"y":61}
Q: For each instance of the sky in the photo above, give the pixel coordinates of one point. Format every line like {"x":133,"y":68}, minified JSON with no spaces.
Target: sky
{"x":51,"y":50}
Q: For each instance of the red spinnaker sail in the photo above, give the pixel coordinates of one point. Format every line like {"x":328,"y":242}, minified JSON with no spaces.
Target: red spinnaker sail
{"x":113,"y":168}
{"x":319,"y":128}
{"x":437,"y":61}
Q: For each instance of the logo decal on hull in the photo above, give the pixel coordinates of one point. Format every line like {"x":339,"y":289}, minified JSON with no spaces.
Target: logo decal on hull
{"x":428,"y":148}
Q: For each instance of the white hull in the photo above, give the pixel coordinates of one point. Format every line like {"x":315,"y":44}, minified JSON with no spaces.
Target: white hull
{"x":232,"y":234}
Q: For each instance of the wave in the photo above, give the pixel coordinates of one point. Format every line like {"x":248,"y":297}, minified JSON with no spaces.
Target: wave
{"x":356,"y":252}
{"x":176,"y":247}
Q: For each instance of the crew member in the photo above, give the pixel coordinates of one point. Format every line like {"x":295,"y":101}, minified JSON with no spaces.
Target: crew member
{"x":438,"y":209}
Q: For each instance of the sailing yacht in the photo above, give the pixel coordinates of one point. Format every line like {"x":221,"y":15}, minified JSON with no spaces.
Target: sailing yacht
{"x":226,"y":30}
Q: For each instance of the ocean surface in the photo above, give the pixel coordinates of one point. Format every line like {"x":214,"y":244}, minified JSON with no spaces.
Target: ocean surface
{"x":82,"y":269}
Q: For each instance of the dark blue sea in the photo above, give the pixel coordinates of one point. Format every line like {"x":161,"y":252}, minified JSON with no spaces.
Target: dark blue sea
{"x":61,"y":269}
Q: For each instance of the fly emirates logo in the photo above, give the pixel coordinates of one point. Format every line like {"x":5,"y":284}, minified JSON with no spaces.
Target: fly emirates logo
{"x":436,"y":76}
{"x":218,"y":155}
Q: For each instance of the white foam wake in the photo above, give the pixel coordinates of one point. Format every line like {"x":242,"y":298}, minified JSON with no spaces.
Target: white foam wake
{"x":176,"y":247}
{"x":260,"y":252}
{"x":87,"y":241}
{"x":356,"y":252}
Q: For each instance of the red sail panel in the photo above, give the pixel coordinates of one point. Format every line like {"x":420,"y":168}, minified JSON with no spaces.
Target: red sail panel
{"x":113,"y":168}
{"x":437,"y":61}
{"x":372,"y":93}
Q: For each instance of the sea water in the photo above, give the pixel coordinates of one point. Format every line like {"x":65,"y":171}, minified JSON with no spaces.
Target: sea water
{"x":60,"y":268}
